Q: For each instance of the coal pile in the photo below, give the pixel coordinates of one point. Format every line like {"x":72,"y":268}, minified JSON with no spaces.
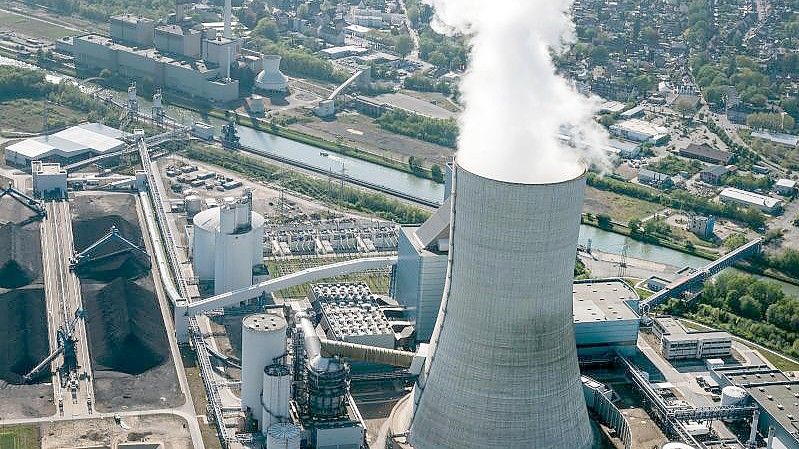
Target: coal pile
{"x":23,"y":323}
{"x":23,"y":331}
{"x":127,"y":340}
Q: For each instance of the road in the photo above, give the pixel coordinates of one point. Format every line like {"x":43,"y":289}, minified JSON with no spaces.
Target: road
{"x":73,"y":390}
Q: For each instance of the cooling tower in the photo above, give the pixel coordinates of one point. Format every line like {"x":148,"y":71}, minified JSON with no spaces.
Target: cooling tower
{"x":271,"y":78}
{"x":501,"y":371}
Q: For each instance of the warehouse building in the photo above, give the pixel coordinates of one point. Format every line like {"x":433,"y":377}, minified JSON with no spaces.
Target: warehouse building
{"x":749,"y":199}
{"x":775,"y":394}
{"x":676,"y":343}
{"x":640,"y":131}
{"x":706,"y":153}
{"x":67,"y":146}
{"x":713,"y":174}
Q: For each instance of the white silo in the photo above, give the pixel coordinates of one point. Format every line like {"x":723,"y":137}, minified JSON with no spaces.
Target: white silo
{"x":193,"y":204}
{"x":227,"y":244}
{"x":283,"y":436}
{"x":732,"y":395}
{"x":501,"y":370}
{"x":271,"y":78}
{"x":263,"y":339}
{"x":275,"y":396}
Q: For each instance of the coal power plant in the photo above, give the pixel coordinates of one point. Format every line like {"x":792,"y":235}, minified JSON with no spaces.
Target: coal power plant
{"x":508,"y":379}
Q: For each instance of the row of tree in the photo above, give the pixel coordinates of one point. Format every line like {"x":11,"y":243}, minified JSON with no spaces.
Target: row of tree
{"x":438,"y":131}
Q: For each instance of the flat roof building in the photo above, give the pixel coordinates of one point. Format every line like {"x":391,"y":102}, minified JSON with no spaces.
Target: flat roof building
{"x":750,"y":199}
{"x":788,"y":140}
{"x":776,"y":395}
{"x":678,"y":343}
{"x":67,"y":146}
{"x":639,"y":131}
{"x":605,"y":315}
{"x":49,"y":180}
{"x":785,"y":187}
{"x":351,"y":313}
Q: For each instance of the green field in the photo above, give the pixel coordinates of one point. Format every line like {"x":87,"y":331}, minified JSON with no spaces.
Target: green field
{"x":27,"y":116}
{"x":33,"y":28}
{"x":19,"y":437}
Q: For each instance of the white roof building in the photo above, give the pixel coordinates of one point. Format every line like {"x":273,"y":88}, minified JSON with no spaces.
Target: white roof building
{"x":639,"y":130}
{"x":744,"y":198}
{"x":785,"y":186}
{"x":66,"y":146}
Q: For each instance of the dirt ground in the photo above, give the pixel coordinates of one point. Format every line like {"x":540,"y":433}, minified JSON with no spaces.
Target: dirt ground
{"x":170,"y":430}
{"x":361,"y":132}
{"x":131,"y":361}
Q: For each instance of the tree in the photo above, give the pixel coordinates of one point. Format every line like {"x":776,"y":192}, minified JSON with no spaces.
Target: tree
{"x":685,"y":107}
{"x":436,"y":173}
{"x":267,"y":28}
{"x":775,"y":122}
{"x":403,"y":45}
{"x":635,"y":226}
{"x":604,"y":221}
{"x":734,"y":241}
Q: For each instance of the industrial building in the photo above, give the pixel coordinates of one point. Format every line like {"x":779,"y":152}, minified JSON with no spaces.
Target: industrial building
{"x":271,"y":79}
{"x":351,"y":313}
{"x":776,"y":395}
{"x":606,"y":316}
{"x":786,"y":187}
{"x":706,"y":153}
{"x":49,"y":180}
{"x":67,"y":146}
{"x":656,"y":179}
{"x":713,"y":174}
{"x":702,"y":226}
{"x":227,"y":243}
{"x":749,"y":199}
{"x":193,"y":77}
{"x":510,"y":378}
{"x":677,"y":343}
{"x":639,"y":131}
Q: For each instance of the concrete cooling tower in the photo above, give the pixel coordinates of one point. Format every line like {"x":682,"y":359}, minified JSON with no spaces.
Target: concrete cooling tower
{"x":501,"y":369}
{"x":271,"y":78}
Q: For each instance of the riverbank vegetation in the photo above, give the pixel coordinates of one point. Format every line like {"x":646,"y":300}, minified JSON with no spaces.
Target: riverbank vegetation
{"x":747,"y":307}
{"x":438,"y":131}
{"x":350,"y":198}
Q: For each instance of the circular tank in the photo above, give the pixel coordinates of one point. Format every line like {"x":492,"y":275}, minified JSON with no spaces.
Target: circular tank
{"x":732,"y":395}
{"x":226,"y":258}
{"x":263,"y":339}
{"x":283,"y":436}
{"x":677,"y":445}
{"x":194,"y":204}
{"x":275,"y":395}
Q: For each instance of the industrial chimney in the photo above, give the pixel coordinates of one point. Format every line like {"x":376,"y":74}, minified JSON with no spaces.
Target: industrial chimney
{"x":228,"y":32}
{"x":501,"y":370}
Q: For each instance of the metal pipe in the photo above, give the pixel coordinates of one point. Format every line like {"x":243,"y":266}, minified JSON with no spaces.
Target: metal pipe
{"x":770,"y":442}
{"x":365,"y":353}
{"x":753,"y":431}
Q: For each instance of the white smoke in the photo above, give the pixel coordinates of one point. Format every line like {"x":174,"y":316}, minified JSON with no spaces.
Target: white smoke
{"x":515,"y":103}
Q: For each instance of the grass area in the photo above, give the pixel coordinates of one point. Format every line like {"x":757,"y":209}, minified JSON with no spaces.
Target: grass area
{"x":197,"y":390}
{"x":778,"y":362}
{"x":620,"y":208}
{"x":32,"y":27}
{"x":27,"y":116}
{"x":378,"y":281}
{"x":19,"y":437}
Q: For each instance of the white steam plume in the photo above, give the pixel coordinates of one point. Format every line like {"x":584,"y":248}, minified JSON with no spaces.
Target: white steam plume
{"x":515,"y":103}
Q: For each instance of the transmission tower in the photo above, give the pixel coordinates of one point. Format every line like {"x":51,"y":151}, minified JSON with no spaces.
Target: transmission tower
{"x":623,"y":261}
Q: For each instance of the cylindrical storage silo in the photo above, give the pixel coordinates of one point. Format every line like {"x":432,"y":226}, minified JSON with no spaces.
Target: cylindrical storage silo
{"x":193,"y":204}
{"x":732,"y":395}
{"x":205,"y":229}
{"x":263,"y":339}
{"x":283,"y":436}
{"x":275,"y":396}
{"x":502,"y":370}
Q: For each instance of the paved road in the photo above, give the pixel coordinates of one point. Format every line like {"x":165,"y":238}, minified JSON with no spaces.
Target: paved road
{"x":62,"y":290}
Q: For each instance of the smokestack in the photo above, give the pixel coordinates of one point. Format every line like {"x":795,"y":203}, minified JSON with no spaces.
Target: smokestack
{"x":502,"y":371}
{"x":228,"y":18}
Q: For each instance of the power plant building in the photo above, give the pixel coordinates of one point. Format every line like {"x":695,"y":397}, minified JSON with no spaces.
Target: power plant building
{"x":192,"y":77}
{"x":508,"y":378}
{"x":133,"y":29}
{"x":228,"y":244}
